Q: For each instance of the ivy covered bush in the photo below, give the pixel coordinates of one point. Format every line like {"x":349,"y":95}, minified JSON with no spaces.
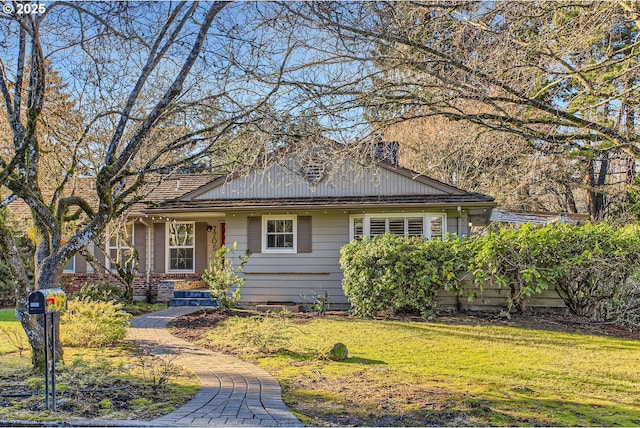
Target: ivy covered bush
{"x":394,"y":274}
{"x":594,"y":269}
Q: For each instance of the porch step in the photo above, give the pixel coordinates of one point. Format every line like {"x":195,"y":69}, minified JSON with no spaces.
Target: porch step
{"x":193,"y":298}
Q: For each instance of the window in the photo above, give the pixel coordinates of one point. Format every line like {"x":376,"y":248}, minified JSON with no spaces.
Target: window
{"x":429,"y":226}
{"x":120,"y":247}
{"x":279,"y":234}
{"x":70,"y":267}
{"x":181,"y":247}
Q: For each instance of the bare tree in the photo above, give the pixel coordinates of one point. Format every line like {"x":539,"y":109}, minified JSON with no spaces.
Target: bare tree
{"x":562,"y":76}
{"x":158,"y":85}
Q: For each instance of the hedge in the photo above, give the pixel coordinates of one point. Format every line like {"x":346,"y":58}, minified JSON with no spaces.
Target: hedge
{"x":594,"y":268}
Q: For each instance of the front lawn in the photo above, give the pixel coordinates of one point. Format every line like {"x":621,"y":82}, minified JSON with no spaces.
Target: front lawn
{"x":442,"y":373}
{"x":121,"y":381}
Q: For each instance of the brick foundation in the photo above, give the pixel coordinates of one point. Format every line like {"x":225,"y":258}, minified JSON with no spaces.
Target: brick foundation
{"x":159,"y":289}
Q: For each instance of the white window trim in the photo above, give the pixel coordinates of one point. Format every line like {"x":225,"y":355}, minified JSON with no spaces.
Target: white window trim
{"x":73,"y":269}
{"x":109,"y":247}
{"x":292,"y":250}
{"x":427,"y":217}
{"x":168,"y":248}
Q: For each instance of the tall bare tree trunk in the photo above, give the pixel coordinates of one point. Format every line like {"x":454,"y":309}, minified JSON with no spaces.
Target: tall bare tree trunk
{"x":596,"y":176}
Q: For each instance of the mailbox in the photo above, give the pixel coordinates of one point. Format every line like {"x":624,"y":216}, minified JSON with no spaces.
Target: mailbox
{"x":47,"y":301}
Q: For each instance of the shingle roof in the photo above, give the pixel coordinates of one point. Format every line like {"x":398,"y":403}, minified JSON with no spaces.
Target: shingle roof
{"x":158,"y":189}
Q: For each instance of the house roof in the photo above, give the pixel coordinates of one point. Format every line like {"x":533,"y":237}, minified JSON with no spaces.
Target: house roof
{"x":158,"y":189}
{"x":167,"y":188}
{"x":285,"y":188}
{"x":468,"y":199}
{"x":197,"y":193}
{"x":537,"y":217}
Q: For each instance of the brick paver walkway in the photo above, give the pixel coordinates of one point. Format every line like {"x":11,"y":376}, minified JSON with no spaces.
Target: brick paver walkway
{"x":233,"y":392}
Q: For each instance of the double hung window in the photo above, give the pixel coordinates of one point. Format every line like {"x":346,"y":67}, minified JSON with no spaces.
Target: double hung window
{"x":279,"y":234}
{"x":181,"y":248}
{"x":70,"y":267}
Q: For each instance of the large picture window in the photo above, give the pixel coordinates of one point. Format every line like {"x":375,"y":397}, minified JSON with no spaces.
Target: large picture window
{"x":279,"y":234}
{"x":181,"y":247}
{"x":429,"y":226}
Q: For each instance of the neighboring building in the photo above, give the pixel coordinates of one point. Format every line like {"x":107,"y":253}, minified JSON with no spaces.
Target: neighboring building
{"x":541,"y":218}
{"x":292,"y":215}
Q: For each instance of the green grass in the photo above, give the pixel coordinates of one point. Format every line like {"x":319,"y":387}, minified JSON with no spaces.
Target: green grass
{"x":7,"y":315}
{"x":11,"y":333}
{"x":422,"y":373}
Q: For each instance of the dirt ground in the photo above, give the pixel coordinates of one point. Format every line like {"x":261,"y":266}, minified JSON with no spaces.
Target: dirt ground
{"x":193,"y":326}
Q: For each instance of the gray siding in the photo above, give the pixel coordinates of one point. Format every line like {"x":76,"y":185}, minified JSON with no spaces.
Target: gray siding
{"x":297,"y":277}
{"x":140,"y":240}
{"x":280,"y":182}
{"x":200,"y":262}
{"x":492,"y":298}
{"x":159,"y":247}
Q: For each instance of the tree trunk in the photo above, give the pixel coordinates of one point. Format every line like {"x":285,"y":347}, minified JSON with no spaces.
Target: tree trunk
{"x":46,"y":277}
{"x":570,"y":201}
{"x":596,"y":179}
{"x":32,"y":324}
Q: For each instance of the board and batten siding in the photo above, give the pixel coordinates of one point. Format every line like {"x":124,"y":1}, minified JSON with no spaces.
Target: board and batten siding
{"x":294,"y":277}
{"x":280,"y":182}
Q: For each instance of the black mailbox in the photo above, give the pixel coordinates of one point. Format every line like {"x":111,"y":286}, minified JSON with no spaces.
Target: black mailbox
{"x":47,"y":301}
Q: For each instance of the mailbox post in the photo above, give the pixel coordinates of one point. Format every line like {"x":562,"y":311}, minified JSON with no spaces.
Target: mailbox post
{"x":48,"y":302}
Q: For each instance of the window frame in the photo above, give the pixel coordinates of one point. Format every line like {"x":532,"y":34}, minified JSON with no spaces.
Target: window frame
{"x":169,"y":247}
{"x":118,"y":247}
{"x":71,"y":261}
{"x":427,"y":219}
{"x":284,"y":250}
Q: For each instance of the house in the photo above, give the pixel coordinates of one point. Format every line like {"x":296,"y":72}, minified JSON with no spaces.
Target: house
{"x":540,"y":218}
{"x":293,"y":215}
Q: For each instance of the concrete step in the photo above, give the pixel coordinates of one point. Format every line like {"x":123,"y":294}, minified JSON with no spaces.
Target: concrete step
{"x":193,"y":301}
{"x":192,"y":294}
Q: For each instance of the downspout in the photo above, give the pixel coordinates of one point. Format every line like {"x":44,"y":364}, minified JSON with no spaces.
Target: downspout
{"x":459,"y":227}
{"x":147,"y":282}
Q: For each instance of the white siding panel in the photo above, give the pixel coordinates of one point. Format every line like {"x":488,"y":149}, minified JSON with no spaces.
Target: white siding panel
{"x":280,"y":182}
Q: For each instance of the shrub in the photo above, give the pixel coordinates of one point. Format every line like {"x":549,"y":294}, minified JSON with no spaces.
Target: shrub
{"x":517,"y":259}
{"x":223,"y":278}
{"x":594,"y":269}
{"x":600,"y":271}
{"x":394,"y":274}
{"x":93,"y":323}
{"x":590,"y":266}
{"x":99,"y":291}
